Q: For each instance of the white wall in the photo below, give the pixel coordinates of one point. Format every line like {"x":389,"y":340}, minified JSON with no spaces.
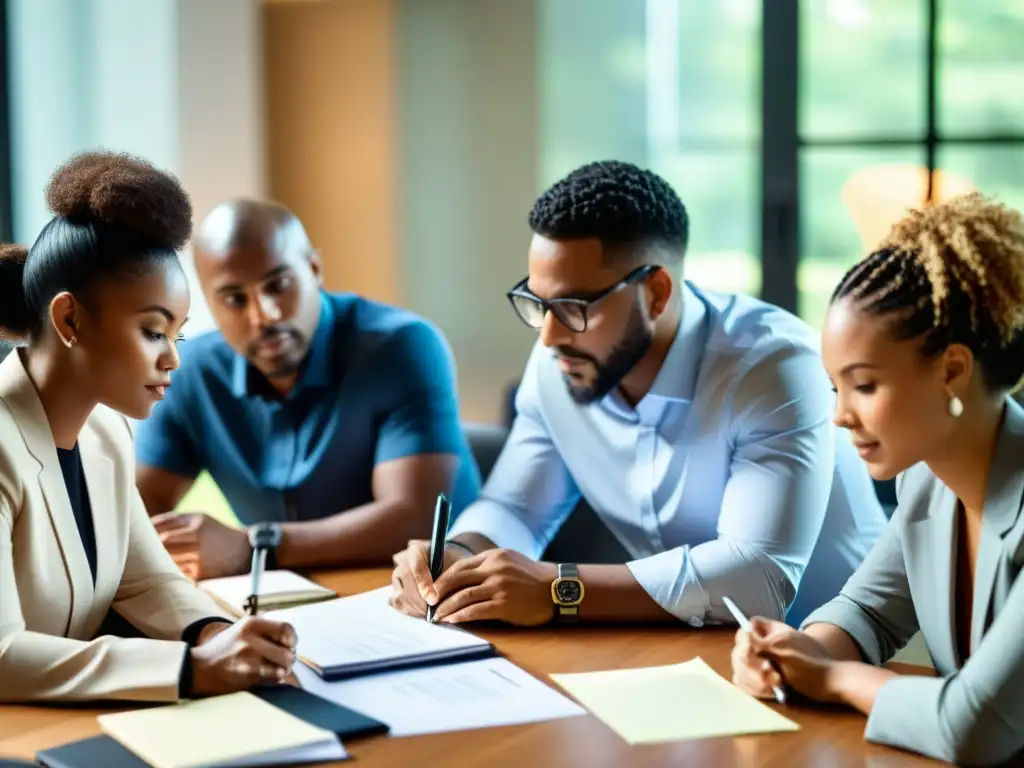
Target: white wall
{"x":176,"y":81}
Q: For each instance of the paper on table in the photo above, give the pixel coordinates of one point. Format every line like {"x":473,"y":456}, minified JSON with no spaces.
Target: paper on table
{"x":677,"y":702}
{"x":278,"y":589}
{"x":364,"y":628}
{"x":236,"y":729}
{"x":474,"y":694}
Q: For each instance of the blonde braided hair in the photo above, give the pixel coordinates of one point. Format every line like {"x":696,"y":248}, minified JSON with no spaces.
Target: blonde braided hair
{"x":952,"y":273}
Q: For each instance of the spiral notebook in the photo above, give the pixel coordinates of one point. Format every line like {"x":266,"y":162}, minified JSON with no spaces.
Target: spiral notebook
{"x":361,"y":635}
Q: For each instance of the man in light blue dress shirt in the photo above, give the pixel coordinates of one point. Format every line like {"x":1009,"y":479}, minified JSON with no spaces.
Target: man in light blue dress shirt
{"x":696,"y":425}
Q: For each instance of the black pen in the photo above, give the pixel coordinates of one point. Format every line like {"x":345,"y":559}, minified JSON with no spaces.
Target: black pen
{"x":442,"y":512}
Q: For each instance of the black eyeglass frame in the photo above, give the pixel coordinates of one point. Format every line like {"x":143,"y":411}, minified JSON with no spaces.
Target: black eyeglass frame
{"x":581,"y":302}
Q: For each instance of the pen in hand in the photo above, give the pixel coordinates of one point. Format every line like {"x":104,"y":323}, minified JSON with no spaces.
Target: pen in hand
{"x":744,"y":622}
{"x":442,"y":513}
{"x":259,"y":562}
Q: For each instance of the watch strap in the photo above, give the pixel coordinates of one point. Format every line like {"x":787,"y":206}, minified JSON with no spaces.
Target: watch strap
{"x":266,"y":536}
{"x":567,"y":613}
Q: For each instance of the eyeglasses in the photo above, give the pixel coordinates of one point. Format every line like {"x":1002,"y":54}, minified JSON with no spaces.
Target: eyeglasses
{"x":570,"y":311}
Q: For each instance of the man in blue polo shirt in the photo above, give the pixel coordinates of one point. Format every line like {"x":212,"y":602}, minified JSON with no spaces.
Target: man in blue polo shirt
{"x":328,"y":418}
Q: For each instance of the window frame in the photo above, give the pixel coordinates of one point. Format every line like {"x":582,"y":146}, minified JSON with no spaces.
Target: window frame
{"x":782,"y":142}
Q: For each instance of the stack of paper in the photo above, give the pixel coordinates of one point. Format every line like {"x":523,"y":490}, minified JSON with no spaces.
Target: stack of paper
{"x":682,"y":701}
{"x":362,"y":634}
{"x":474,"y":694}
{"x":221,"y":732}
{"x":363,"y":654}
{"x":278,"y":589}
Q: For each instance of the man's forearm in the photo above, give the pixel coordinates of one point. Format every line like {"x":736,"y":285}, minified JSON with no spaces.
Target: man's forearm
{"x":475,"y":542}
{"x":366,"y":535}
{"x":611,"y":593}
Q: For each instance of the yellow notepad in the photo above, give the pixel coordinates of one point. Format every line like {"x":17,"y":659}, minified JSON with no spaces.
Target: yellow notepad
{"x":672,"y":703}
{"x":237,"y":729}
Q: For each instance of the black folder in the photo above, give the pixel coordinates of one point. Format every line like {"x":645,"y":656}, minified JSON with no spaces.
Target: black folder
{"x":90,"y":753}
{"x":105,"y":752}
{"x":333,"y":673}
{"x":343,"y":722}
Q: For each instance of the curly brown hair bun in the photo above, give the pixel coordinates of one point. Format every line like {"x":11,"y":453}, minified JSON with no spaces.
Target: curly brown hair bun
{"x":123,"y":191}
{"x":115,"y":216}
{"x":952,"y":273}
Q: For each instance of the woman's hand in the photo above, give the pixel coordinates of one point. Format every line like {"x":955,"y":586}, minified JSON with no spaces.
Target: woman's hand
{"x":252,"y":651}
{"x":805,"y":664}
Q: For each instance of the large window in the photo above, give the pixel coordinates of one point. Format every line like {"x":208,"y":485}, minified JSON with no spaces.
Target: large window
{"x":888,"y":90}
{"x":795,"y":131}
{"x":672,"y":85}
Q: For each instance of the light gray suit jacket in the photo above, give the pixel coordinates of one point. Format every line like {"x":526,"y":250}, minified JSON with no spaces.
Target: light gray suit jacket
{"x":971,"y":713}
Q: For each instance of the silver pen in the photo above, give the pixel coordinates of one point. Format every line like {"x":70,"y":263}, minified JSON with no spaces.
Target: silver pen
{"x":259,"y":562}
{"x":744,"y":622}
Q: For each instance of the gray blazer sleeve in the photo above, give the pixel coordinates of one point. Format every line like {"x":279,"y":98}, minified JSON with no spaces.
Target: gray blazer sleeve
{"x":875,"y":607}
{"x":972,"y":717}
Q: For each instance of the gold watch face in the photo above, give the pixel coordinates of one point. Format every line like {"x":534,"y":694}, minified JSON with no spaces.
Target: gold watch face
{"x":567,"y":591}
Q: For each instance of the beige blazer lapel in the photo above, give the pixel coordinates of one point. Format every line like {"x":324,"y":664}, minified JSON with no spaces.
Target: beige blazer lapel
{"x":1002,"y":508}
{"x":21,"y":397}
{"x":98,"y":466}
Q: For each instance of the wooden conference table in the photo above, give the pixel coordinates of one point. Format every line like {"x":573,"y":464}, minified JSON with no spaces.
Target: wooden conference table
{"x":827,"y":737}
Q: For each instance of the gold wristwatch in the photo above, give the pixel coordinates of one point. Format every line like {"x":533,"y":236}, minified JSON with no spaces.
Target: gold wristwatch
{"x":567,"y":592}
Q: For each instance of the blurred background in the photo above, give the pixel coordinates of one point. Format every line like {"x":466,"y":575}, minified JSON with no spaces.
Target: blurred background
{"x":411,"y":136}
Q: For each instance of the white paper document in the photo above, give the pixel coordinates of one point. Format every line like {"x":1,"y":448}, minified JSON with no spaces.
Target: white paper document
{"x":453,"y":697}
{"x":362,"y":629}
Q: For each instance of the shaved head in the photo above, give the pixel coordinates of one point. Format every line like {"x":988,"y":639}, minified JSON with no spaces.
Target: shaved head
{"x":247,"y":222}
{"x":261,"y":278}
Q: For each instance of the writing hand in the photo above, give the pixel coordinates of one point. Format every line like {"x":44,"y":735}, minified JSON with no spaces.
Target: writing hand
{"x":252,"y":651}
{"x":498,"y":584}
{"x":805,"y":664}
{"x":411,"y":584}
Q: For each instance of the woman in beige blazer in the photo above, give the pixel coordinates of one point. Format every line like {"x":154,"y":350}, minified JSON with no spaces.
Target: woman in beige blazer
{"x":923,"y":341}
{"x":99,"y":301}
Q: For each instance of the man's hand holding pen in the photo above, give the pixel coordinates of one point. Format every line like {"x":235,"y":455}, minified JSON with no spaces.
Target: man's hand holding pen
{"x":497,"y":584}
{"x":411,"y":584}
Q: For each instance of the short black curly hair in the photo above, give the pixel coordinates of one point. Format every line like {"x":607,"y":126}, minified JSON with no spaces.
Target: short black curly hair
{"x":113,"y":216}
{"x":626,"y":207}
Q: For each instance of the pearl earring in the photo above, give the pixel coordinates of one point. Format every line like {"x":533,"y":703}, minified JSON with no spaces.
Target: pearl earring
{"x":956,"y":407}
{"x":69,"y":343}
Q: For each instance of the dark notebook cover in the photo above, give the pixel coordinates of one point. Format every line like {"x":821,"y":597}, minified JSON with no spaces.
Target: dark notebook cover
{"x":341,"y":721}
{"x":90,"y":753}
{"x":394,"y":663}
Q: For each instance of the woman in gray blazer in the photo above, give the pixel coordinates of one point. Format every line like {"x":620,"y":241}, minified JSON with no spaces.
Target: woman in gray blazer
{"x":923,"y":341}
